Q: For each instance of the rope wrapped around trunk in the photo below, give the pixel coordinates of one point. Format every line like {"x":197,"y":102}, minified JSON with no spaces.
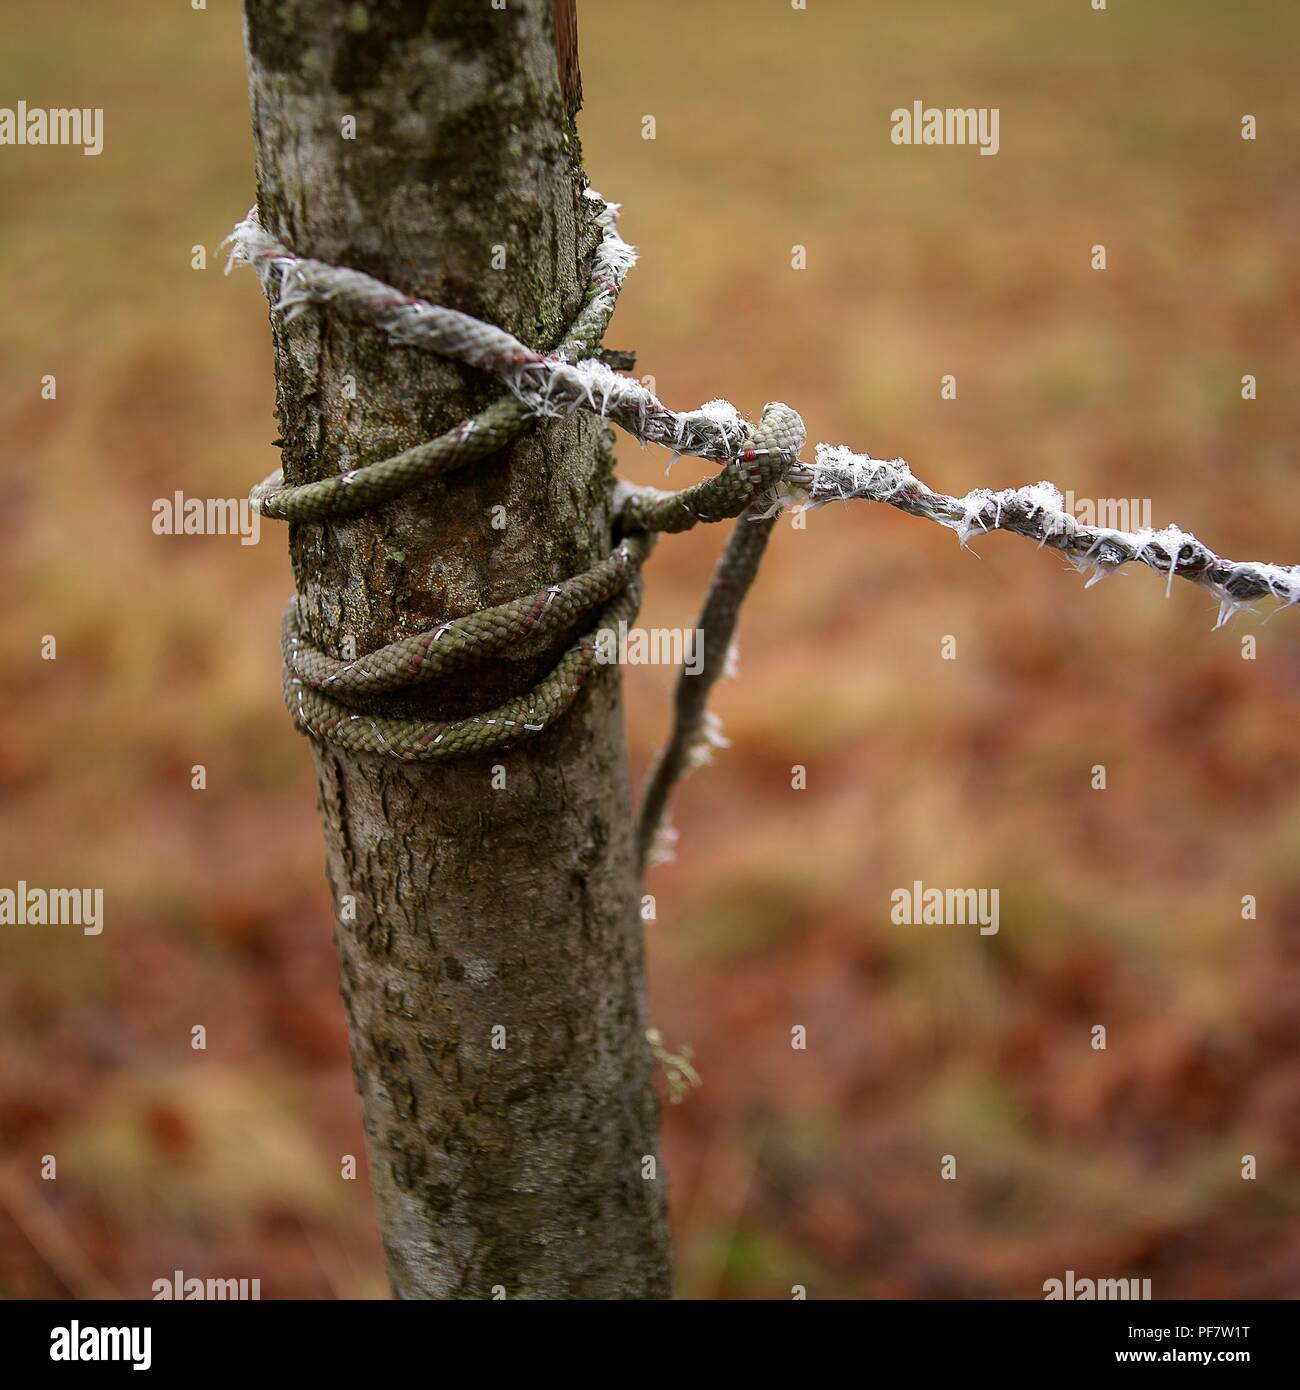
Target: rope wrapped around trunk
{"x":761,"y":472}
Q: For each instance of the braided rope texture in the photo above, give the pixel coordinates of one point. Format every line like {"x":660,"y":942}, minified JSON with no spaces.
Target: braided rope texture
{"x":695,"y":731}
{"x":411,"y":321}
{"x":1037,"y":513}
{"x":760,"y":468}
{"x":462,"y":641}
{"x":418,"y":740}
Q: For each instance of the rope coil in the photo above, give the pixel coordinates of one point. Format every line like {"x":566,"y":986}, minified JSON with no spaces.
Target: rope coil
{"x":327,"y":696}
{"x":760,"y":468}
{"x":459,"y":642}
{"x":418,"y":740}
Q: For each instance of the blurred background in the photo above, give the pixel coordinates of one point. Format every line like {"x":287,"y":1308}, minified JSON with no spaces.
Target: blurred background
{"x":1120,"y":907}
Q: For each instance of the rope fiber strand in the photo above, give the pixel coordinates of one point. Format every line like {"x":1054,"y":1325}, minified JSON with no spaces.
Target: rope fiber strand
{"x":761,"y":473}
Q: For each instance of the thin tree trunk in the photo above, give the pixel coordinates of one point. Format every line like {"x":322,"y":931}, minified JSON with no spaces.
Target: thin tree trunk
{"x":464,"y":907}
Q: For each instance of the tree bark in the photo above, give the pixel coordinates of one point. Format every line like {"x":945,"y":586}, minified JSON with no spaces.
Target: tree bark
{"x":499,"y":891}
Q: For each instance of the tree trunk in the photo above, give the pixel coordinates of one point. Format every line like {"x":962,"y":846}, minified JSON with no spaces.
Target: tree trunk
{"x":486,"y":908}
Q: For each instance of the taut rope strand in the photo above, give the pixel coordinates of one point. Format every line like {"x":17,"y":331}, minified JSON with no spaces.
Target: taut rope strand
{"x":761,"y":473}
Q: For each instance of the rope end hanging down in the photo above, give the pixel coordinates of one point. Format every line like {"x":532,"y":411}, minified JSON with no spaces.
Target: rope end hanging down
{"x":760,"y":474}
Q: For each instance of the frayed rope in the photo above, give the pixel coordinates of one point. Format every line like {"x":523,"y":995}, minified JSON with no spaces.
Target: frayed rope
{"x":762,"y":475}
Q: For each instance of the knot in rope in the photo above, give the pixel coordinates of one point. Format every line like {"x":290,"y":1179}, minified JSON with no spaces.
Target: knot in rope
{"x":760,"y":464}
{"x":765,"y":456}
{"x":331,"y":698}
{"x":760,"y":473}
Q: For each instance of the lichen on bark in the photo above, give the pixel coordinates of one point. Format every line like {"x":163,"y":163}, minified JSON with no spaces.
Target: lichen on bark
{"x":464,"y":907}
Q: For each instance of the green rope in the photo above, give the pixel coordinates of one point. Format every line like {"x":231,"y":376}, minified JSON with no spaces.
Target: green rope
{"x":460,"y":642}
{"x":773,"y":448}
{"x":323,"y":693}
{"x":328,"y":696}
{"x":419,"y":740}
{"x":492,"y":429}
{"x":760,"y":466}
